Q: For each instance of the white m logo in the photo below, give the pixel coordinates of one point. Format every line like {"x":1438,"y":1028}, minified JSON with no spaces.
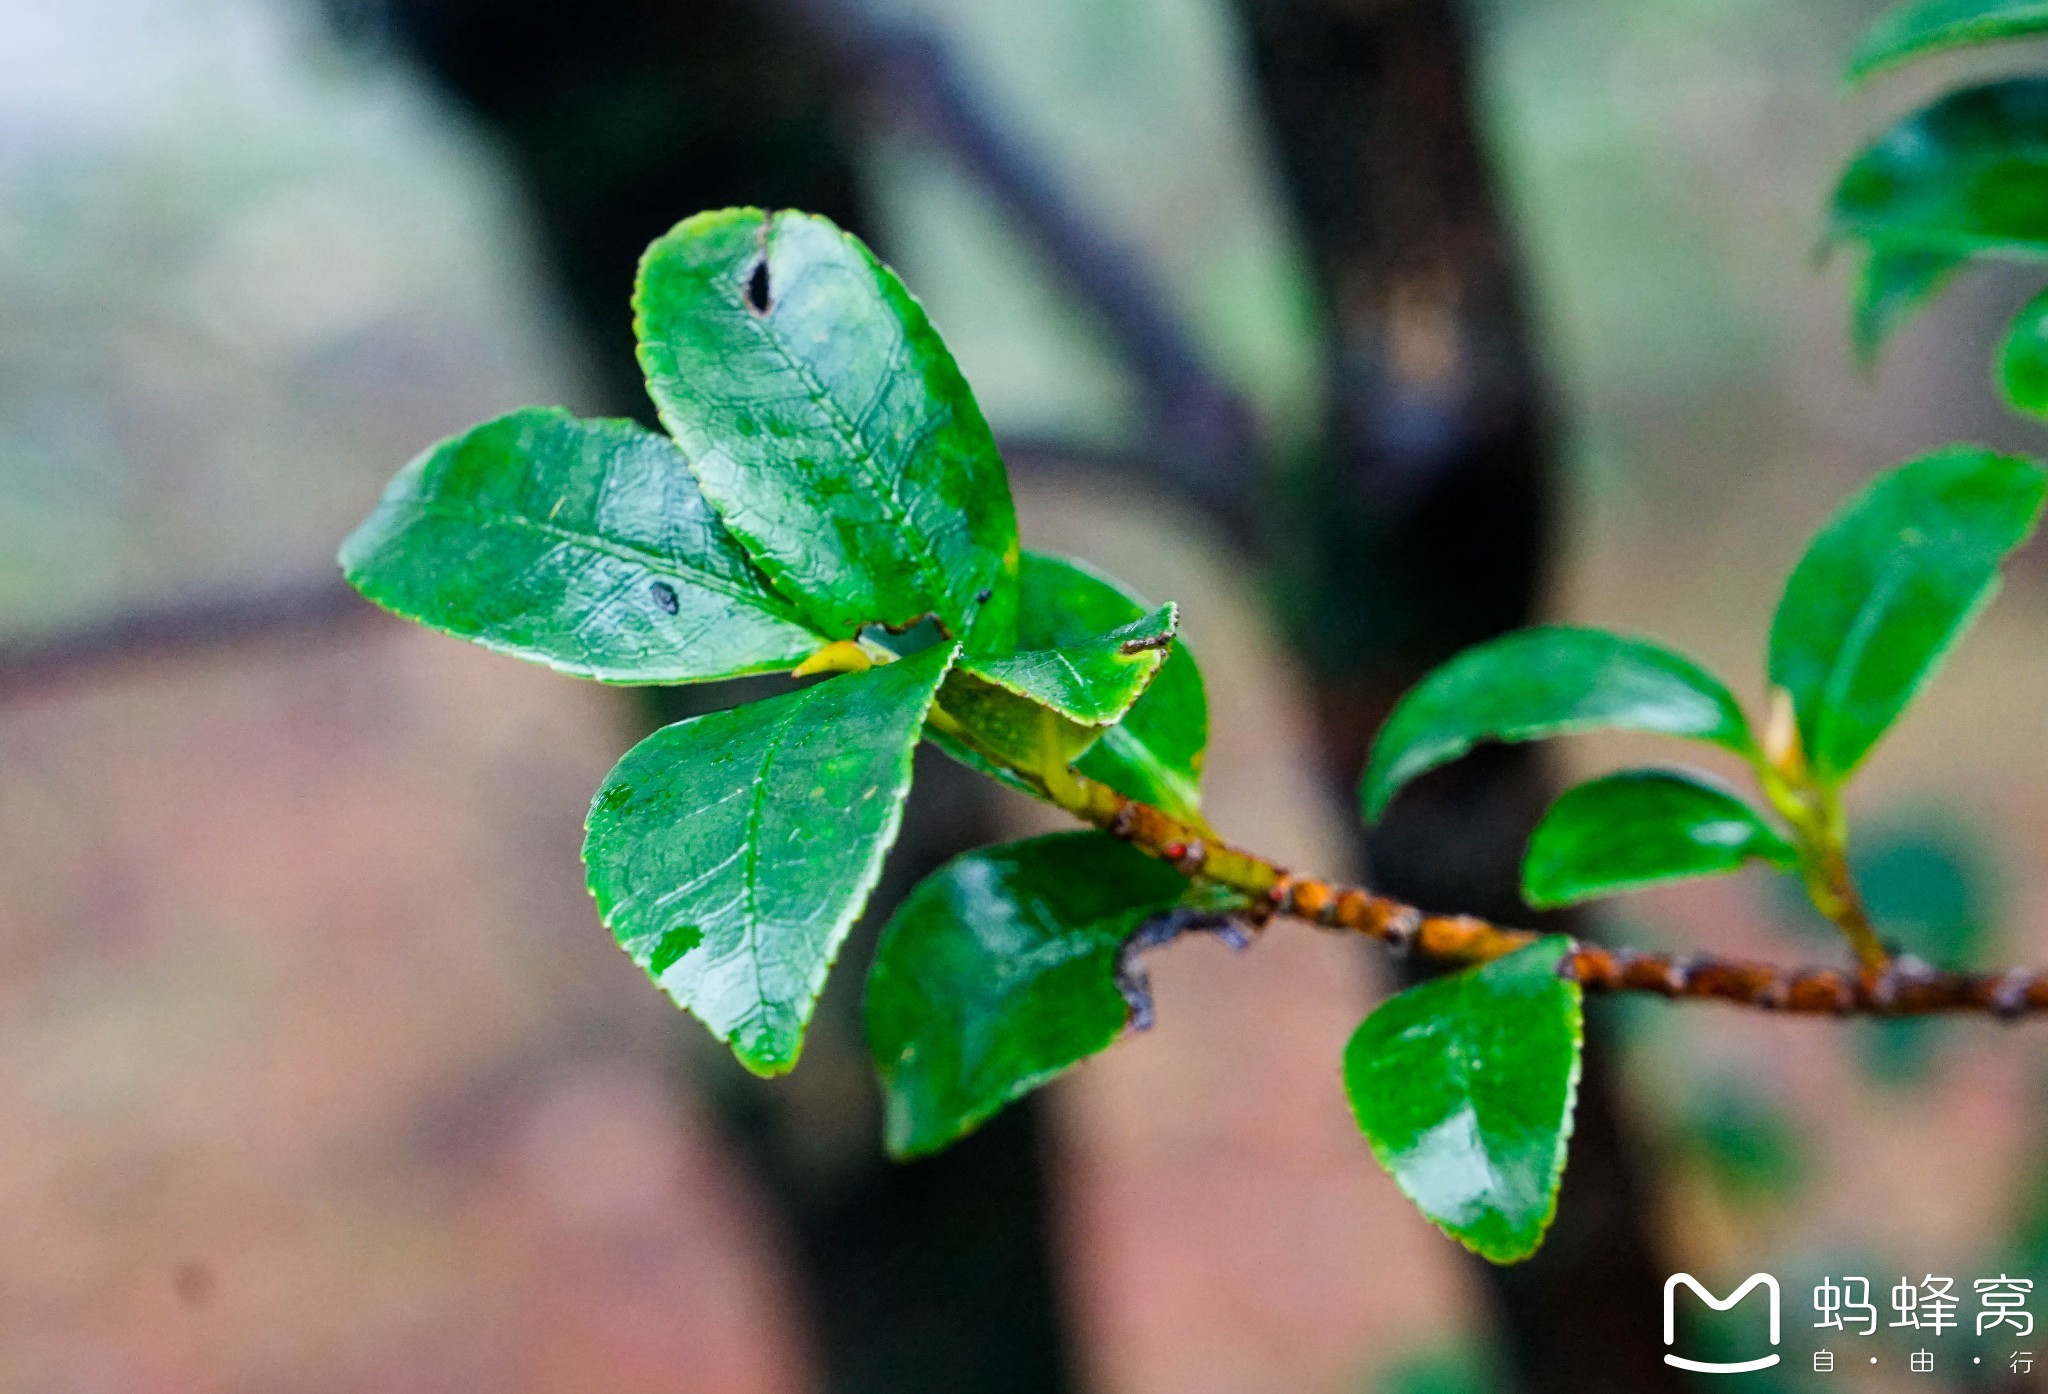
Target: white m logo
{"x":1720,"y":1305}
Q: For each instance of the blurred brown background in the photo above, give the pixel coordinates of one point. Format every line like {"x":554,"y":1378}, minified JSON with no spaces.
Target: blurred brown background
{"x":1364,"y":330}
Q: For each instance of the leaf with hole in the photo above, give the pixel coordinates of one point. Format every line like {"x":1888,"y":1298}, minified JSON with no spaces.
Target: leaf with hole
{"x":828,"y":425}
{"x":998,"y":972}
{"x":730,"y":853}
{"x":1464,"y":1086}
{"x":1886,"y":589}
{"x":1965,"y":176}
{"x":1930,"y":26}
{"x":583,"y":545}
{"x":1643,"y":828}
{"x":1892,"y":287}
{"x":1552,"y":681}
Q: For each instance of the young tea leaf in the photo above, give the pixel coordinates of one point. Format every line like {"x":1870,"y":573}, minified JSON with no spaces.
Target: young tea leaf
{"x":828,"y":425}
{"x":1093,"y":681}
{"x":2023,"y":359}
{"x":1049,"y":705}
{"x":1464,"y":1086}
{"x":1553,"y":681}
{"x":583,"y":545}
{"x":1929,"y":26}
{"x":730,"y":853}
{"x":1888,"y":587}
{"x":1893,"y":286}
{"x":1966,"y":175}
{"x":998,"y":972}
{"x":1154,"y":753}
{"x":1642,"y":828}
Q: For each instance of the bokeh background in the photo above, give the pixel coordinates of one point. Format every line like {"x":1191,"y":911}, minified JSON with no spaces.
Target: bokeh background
{"x":1363,"y":328}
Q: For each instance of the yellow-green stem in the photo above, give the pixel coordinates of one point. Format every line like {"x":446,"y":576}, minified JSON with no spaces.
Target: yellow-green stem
{"x":1820,"y":830}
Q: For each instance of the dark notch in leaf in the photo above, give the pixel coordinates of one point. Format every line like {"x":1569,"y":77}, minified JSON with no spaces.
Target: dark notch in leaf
{"x":828,"y":424}
{"x":584,"y":545}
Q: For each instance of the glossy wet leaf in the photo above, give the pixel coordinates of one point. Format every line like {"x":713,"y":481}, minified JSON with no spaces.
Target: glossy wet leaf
{"x":1464,"y":1086}
{"x":1552,"y":681}
{"x":583,"y":545}
{"x":1155,"y":752}
{"x":2023,"y":358}
{"x":998,"y":972}
{"x":1891,"y":288}
{"x":1929,"y":26}
{"x":1642,"y":828}
{"x":730,"y":853}
{"x":1041,"y":705}
{"x":1888,"y":587}
{"x":1966,"y":175}
{"x":1093,"y":681}
{"x":828,"y":424}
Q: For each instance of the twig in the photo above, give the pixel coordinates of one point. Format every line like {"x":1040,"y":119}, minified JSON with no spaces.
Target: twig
{"x":1201,"y":430}
{"x":1904,"y":987}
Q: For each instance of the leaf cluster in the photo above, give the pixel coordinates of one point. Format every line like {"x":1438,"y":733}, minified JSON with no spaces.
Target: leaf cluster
{"x":827,"y":501}
{"x":1961,"y":180}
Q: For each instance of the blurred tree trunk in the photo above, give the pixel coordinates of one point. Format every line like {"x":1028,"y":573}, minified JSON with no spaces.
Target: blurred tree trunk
{"x":623,"y":116}
{"x":1421,"y":526}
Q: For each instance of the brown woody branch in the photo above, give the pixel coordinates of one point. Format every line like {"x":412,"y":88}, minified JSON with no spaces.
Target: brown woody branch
{"x":1904,"y":987}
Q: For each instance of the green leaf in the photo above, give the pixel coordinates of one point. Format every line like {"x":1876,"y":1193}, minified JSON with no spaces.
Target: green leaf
{"x":1155,"y":752}
{"x":998,"y":972}
{"x":1888,"y":587}
{"x":1464,"y":1086}
{"x":730,"y":853}
{"x":1051,"y":704}
{"x":828,"y":425}
{"x":1553,"y":681}
{"x":1932,"y":25}
{"x":2023,"y":359}
{"x":583,"y":545}
{"x":1893,"y":286}
{"x":1091,"y":681}
{"x":1966,"y":175}
{"x":1641,"y":828}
